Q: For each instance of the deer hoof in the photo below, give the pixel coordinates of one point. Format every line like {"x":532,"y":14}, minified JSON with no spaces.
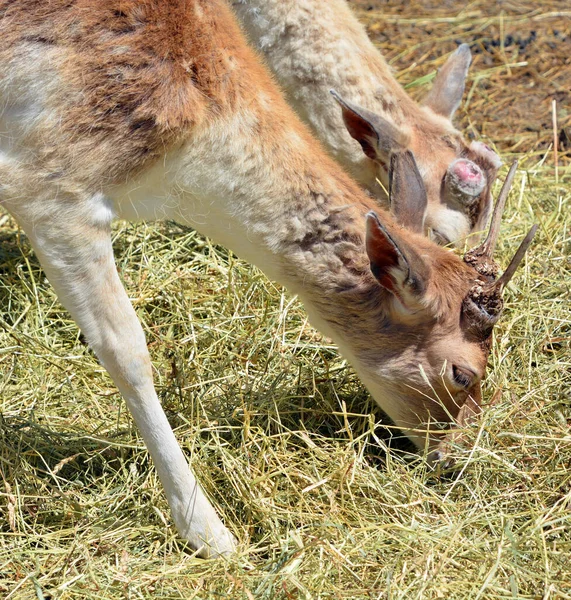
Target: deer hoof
{"x":220,"y":545}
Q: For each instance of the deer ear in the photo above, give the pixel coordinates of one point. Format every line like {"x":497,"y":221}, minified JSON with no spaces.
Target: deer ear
{"x":407,"y":194}
{"x":377,"y":136}
{"x":395,"y":264}
{"x":448,"y":88}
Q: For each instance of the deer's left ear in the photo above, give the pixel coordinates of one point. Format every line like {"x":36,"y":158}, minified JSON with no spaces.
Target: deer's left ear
{"x":407,"y":194}
{"x":395,"y":264}
{"x":448,"y":88}
{"x":377,"y":136}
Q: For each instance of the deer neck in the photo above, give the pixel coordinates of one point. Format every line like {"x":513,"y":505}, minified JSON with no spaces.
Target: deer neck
{"x":265,"y":189}
{"x":314,"y":46}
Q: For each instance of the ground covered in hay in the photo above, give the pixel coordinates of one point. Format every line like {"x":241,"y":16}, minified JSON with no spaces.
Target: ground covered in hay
{"x":326,"y":500}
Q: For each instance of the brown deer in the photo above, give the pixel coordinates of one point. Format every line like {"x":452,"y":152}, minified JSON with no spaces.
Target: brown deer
{"x":158,"y":109}
{"x":315,"y":45}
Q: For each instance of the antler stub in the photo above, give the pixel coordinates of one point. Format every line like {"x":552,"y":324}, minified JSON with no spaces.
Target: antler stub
{"x":483,"y":304}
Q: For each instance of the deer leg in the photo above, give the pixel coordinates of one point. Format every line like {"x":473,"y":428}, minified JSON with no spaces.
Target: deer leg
{"x":73,"y":243}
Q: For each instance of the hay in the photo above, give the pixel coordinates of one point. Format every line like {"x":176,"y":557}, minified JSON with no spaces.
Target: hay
{"x":326,"y":501}
{"x":521,"y":63}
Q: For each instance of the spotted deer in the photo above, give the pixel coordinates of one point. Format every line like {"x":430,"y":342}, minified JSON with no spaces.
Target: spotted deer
{"x":159,"y":109}
{"x":313,"y":47}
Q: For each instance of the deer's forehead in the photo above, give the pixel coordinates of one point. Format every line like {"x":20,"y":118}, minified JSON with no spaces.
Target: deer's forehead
{"x":436,"y":149}
{"x":433,"y":156}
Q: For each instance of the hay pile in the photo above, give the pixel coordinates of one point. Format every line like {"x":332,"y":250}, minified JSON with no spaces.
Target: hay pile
{"x":326,"y":501}
{"x":521,"y":63}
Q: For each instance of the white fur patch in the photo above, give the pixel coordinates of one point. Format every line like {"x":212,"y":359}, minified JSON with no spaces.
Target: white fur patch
{"x":449,"y":223}
{"x":102,"y":210}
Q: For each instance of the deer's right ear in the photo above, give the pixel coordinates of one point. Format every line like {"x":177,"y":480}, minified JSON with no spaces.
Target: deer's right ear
{"x":377,"y":136}
{"x":395,"y":264}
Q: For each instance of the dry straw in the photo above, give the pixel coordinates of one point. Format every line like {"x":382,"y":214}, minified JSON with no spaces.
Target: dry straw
{"x":326,"y":500}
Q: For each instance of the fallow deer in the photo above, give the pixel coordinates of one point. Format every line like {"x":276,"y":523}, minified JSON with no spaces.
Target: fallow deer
{"x":313,"y":47}
{"x":159,"y":109}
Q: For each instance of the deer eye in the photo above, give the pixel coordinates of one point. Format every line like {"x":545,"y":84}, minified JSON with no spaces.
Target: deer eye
{"x":463,"y":377}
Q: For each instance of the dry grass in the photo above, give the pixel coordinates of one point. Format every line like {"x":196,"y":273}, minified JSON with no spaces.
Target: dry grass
{"x":521,"y":63}
{"x":327,"y":502}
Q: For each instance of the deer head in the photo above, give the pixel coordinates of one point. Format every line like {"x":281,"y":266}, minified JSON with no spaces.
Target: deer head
{"x":438,"y":312}
{"x":457,"y":175}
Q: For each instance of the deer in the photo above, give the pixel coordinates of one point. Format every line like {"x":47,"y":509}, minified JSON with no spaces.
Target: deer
{"x":314,"y":48}
{"x":160,"y":109}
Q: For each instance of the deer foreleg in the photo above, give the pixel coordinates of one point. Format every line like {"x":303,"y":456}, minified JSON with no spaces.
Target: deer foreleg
{"x":72,"y":240}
